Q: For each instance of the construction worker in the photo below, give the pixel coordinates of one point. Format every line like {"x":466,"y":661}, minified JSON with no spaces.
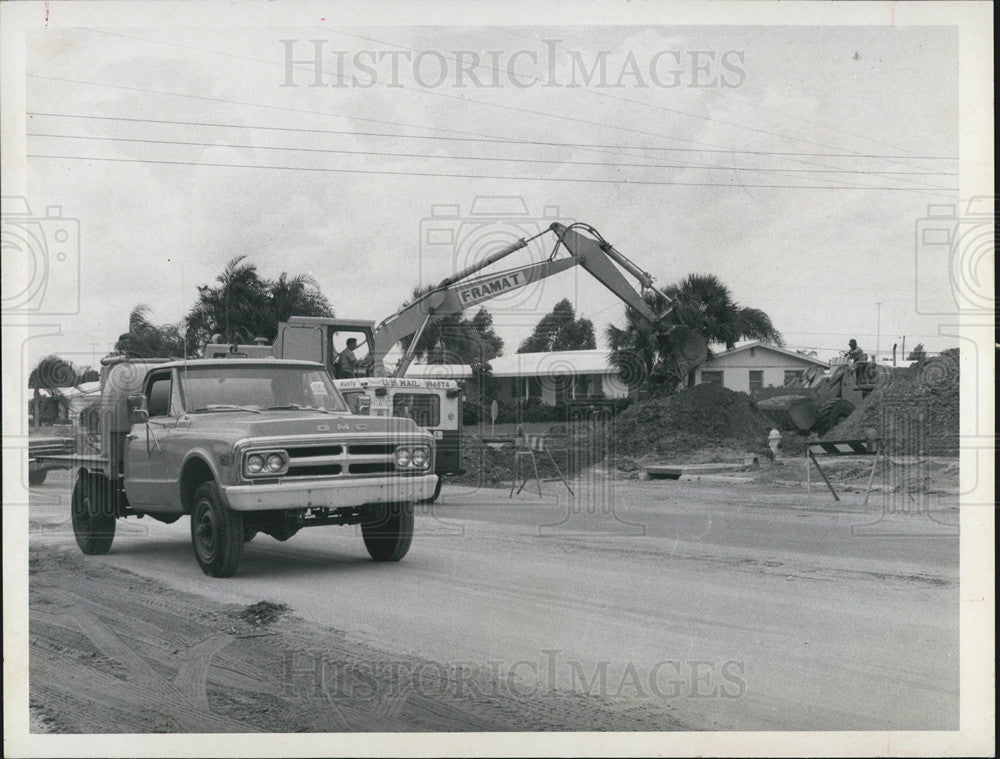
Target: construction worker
{"x":854,"y":353}
{"x":349,"y":365}
{"x":347,"y":362}
{"x":858,"y":361}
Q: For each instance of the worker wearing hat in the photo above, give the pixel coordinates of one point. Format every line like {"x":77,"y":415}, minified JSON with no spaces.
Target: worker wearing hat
{"x":855,"y":353}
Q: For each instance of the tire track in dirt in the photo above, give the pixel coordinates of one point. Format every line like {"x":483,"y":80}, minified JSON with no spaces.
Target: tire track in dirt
{"x":192,"y":677}
{"x":113,"y":652}
{"x":189,"y":709}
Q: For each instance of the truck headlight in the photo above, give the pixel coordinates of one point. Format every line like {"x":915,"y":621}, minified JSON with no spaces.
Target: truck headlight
{"x":403,"y":456}
{"x":265,"y":463}
{"x":420,"y":457}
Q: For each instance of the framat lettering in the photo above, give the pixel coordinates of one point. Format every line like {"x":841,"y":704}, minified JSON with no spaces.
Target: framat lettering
{"x":488,"y":289}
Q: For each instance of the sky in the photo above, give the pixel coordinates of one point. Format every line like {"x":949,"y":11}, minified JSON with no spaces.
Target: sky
{"x":795,"y":163}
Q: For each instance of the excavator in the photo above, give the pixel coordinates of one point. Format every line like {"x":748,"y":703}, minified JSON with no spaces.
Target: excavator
{"x":435,"y":404}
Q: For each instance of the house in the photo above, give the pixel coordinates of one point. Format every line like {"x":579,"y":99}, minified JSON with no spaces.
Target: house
{"x":560,"y":376}
{"x":556,"y":377}
{"x":756,"y":365}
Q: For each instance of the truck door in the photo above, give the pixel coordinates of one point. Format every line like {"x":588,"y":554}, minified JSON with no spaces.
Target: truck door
{"x":151,"y":476}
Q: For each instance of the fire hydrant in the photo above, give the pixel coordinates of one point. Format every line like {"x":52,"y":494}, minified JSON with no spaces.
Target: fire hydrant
{"x":773,"y":440}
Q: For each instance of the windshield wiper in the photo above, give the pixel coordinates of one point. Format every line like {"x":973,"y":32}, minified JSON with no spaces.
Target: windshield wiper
{"x":225,"y":407}
{"x":297,"y":407}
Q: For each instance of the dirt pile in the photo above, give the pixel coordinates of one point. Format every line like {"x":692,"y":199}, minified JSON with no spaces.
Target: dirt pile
{"x":262,"y":613}
{"x":915,"y":411}
{"x":685,"y":425}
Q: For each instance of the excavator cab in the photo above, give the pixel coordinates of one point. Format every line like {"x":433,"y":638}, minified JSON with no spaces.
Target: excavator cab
{"x":325,"y":340}
{"x":350,"y":354}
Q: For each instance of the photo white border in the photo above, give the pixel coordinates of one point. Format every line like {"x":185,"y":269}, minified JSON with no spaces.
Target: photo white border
{"x":977,"y":622}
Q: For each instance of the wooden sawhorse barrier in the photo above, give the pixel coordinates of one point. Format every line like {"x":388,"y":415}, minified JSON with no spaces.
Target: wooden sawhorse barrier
{"x":529,"y":445}
{"x":865,"y":447}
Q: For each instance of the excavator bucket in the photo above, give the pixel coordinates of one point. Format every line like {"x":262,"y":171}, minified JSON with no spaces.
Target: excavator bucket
{"x":791,"y":412}
{"x":688,"y":347}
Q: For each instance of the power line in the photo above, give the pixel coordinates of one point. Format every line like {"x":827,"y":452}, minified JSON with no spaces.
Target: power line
{"x":419,"y":137}
{"x":470,"y":136}
{"x":516,"y":109}
{"x":613,"y":97}
{"x":461,"y":99}
{"x":741,"y":126}
{"x":467,"y":176}
{"x":424,"y":156}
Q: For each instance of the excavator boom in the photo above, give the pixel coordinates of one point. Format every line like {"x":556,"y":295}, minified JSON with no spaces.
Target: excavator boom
{"x":456,"y":293}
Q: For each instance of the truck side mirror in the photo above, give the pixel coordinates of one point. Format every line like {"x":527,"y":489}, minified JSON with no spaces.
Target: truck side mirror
{"x":137,"y":413}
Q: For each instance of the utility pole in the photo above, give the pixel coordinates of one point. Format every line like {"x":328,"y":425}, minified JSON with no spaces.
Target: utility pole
{"x":878,"y":327}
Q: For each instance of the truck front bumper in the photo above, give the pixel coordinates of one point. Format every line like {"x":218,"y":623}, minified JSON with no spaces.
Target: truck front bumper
{"x":333,"y":494}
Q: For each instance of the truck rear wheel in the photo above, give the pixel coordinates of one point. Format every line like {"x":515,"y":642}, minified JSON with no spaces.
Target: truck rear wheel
{"x":389,"y":538}
{"x":216,"y":533}
{"x":92,"y":516}
{"x":37,"y":476}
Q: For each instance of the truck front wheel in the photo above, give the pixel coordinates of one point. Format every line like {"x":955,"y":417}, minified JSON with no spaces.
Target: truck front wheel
{"x":216,"y":533}
{"x":389,"y":538}
{"x":92,"y":516}
{"x":37,"y":476}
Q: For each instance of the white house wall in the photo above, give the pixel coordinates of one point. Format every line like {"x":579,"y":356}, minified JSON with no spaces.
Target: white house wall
{"x":736,"y":368}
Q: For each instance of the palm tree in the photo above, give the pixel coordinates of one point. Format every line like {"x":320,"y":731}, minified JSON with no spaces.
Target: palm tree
{"x":236,"y":308}
{"x":52,"y":374}
{"x":244,"y":305}
{"x":147,"y":340}
{"x":700,"y":301}
{"x":297,"y":296}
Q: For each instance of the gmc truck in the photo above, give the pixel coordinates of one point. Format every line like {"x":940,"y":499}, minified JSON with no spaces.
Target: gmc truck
{"x":246,"y":447}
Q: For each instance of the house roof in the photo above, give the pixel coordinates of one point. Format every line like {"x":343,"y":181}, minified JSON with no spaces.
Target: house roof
{"x":554,"y":363}
{"x":773,"y":349}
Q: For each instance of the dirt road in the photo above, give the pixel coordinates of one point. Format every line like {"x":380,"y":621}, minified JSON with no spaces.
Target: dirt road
{"x":703,"y":606}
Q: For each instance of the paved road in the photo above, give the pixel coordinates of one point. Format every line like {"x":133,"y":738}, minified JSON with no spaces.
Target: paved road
{"x":722,"y":606}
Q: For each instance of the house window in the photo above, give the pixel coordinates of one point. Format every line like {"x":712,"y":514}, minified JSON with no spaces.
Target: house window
{"x":515,"y":387}
{"x":534,"y":387}
{"x":708,"y":377}
{"x":756,"y":379}
{"x":792,"y":375}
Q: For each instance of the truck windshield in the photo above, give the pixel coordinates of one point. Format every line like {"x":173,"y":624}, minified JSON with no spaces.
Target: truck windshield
{"x":233,"y":387}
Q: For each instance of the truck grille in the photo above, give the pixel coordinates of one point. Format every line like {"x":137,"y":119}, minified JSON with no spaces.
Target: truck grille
{"x":310,"y":460}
